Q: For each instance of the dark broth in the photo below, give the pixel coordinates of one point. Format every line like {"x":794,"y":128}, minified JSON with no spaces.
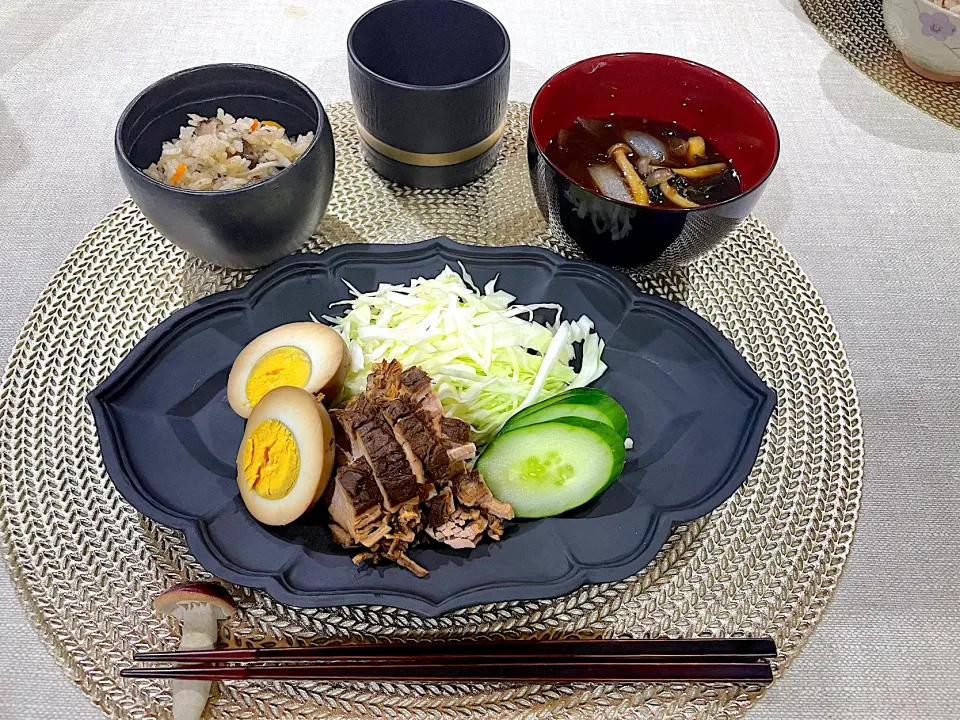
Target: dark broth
{"x":584,"y":144}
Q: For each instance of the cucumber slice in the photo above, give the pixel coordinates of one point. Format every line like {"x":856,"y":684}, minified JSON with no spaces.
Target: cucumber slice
{"x":551,"y":467}
{"x":588,"y":403}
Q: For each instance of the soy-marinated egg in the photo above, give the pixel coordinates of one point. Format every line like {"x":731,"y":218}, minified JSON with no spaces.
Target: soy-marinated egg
{"x":286,"y":456}
{"x":306,"y":355}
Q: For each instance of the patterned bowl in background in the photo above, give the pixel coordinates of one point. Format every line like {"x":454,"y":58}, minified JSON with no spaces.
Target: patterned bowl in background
{"x":927,"y":34}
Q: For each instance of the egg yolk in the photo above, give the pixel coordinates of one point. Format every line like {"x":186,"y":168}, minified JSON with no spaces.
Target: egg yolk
{"x":271,"y":460}
{"x":287,"y":365}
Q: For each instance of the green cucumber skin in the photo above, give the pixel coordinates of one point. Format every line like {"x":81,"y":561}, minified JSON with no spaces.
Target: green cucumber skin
{"x":610,"y":437}
{"x":603,"y":432}
{"x":557,"y":411}
{"x":593,"y":397}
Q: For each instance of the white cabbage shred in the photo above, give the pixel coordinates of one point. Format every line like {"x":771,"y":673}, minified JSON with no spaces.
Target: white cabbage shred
{"x":488,"y":357}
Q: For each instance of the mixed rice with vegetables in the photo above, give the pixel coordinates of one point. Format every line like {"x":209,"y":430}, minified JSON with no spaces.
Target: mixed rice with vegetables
{"x":224,"y":152}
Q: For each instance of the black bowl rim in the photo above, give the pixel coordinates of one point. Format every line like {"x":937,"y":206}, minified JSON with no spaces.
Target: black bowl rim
{"x":322,"y":121}
{"x":497,"y":66}
{"x":648,"y":208}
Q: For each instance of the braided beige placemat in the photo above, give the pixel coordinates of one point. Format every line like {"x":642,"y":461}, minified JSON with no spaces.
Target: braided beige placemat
{"x":855,"y":28}
{"x":87,"y":565}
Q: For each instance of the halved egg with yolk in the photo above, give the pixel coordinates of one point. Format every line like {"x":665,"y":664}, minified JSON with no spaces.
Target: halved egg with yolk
{"x":286,"y":456}
{"x":306,"y":355}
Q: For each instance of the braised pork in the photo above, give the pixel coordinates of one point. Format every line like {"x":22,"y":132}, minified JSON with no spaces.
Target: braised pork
{"x":415,"y":383}
{"x":353,"y":500}
{"x":470,"y":490}
{"x":405,"y":474}
{"x":455,"y":430}
{"x":367,"y":429}
{"x":384,"y":384}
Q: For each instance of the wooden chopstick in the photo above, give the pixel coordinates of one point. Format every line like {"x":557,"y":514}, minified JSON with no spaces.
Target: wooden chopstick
{"x":659,"y":650}
{"x":737,"y":660}
{"x":746,"y":672}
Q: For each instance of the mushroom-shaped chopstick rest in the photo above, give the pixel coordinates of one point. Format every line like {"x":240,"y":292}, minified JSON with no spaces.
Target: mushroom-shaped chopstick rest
{"x":200,"y":607}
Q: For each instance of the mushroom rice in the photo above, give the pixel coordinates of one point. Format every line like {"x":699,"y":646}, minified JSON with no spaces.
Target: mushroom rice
{"x":224,"y":152}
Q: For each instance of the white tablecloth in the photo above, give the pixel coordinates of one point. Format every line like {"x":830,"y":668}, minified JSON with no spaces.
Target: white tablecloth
{"x":866,"y":196}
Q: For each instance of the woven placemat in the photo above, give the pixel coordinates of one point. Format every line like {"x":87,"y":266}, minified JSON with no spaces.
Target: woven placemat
{"x":87,"y":565}
{"x":855,"y":28}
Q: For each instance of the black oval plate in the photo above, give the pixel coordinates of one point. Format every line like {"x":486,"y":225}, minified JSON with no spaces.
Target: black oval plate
{"x":169,"y":439}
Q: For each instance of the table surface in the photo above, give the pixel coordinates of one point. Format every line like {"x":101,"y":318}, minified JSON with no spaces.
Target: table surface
{"x":866,"y":197}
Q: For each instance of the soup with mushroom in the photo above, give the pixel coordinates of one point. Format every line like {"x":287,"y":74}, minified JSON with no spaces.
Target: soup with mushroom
{"x":644,"y":162}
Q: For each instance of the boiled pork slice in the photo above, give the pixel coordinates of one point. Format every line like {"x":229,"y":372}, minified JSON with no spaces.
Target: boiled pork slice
{"x":416,"y":429}
{"x":470,"y":489}
{"x":406,"y":472}
{"x":353,"y":500}
{"x":391,"y":469}
{"x":455,"y":430}
{"x":454,"y":526}
{"x":456,"y":438}
{"x":361,"y":419}
{"x":385,"y":382}
{"x":415,"y":383}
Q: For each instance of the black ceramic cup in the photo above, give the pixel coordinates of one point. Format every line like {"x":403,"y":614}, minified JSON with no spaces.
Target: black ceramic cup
{"x":246,"y":227}
{"x":429,"y":80}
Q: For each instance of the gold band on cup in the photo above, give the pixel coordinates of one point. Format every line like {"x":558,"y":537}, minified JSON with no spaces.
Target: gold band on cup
{"x":431,"y":159}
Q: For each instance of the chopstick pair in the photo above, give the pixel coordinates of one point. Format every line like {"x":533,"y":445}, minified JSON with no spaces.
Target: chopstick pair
{"x":737,"y":660}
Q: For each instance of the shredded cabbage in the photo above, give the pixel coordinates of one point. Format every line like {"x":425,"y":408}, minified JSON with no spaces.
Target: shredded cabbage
{"x":488,"y":358}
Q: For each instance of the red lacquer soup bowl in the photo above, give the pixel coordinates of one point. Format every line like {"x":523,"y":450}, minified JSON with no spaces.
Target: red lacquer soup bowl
{"x":665,"y":89}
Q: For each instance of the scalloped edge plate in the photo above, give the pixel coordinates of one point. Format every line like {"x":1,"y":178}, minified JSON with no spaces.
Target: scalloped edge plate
{"x":422,"y":595}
